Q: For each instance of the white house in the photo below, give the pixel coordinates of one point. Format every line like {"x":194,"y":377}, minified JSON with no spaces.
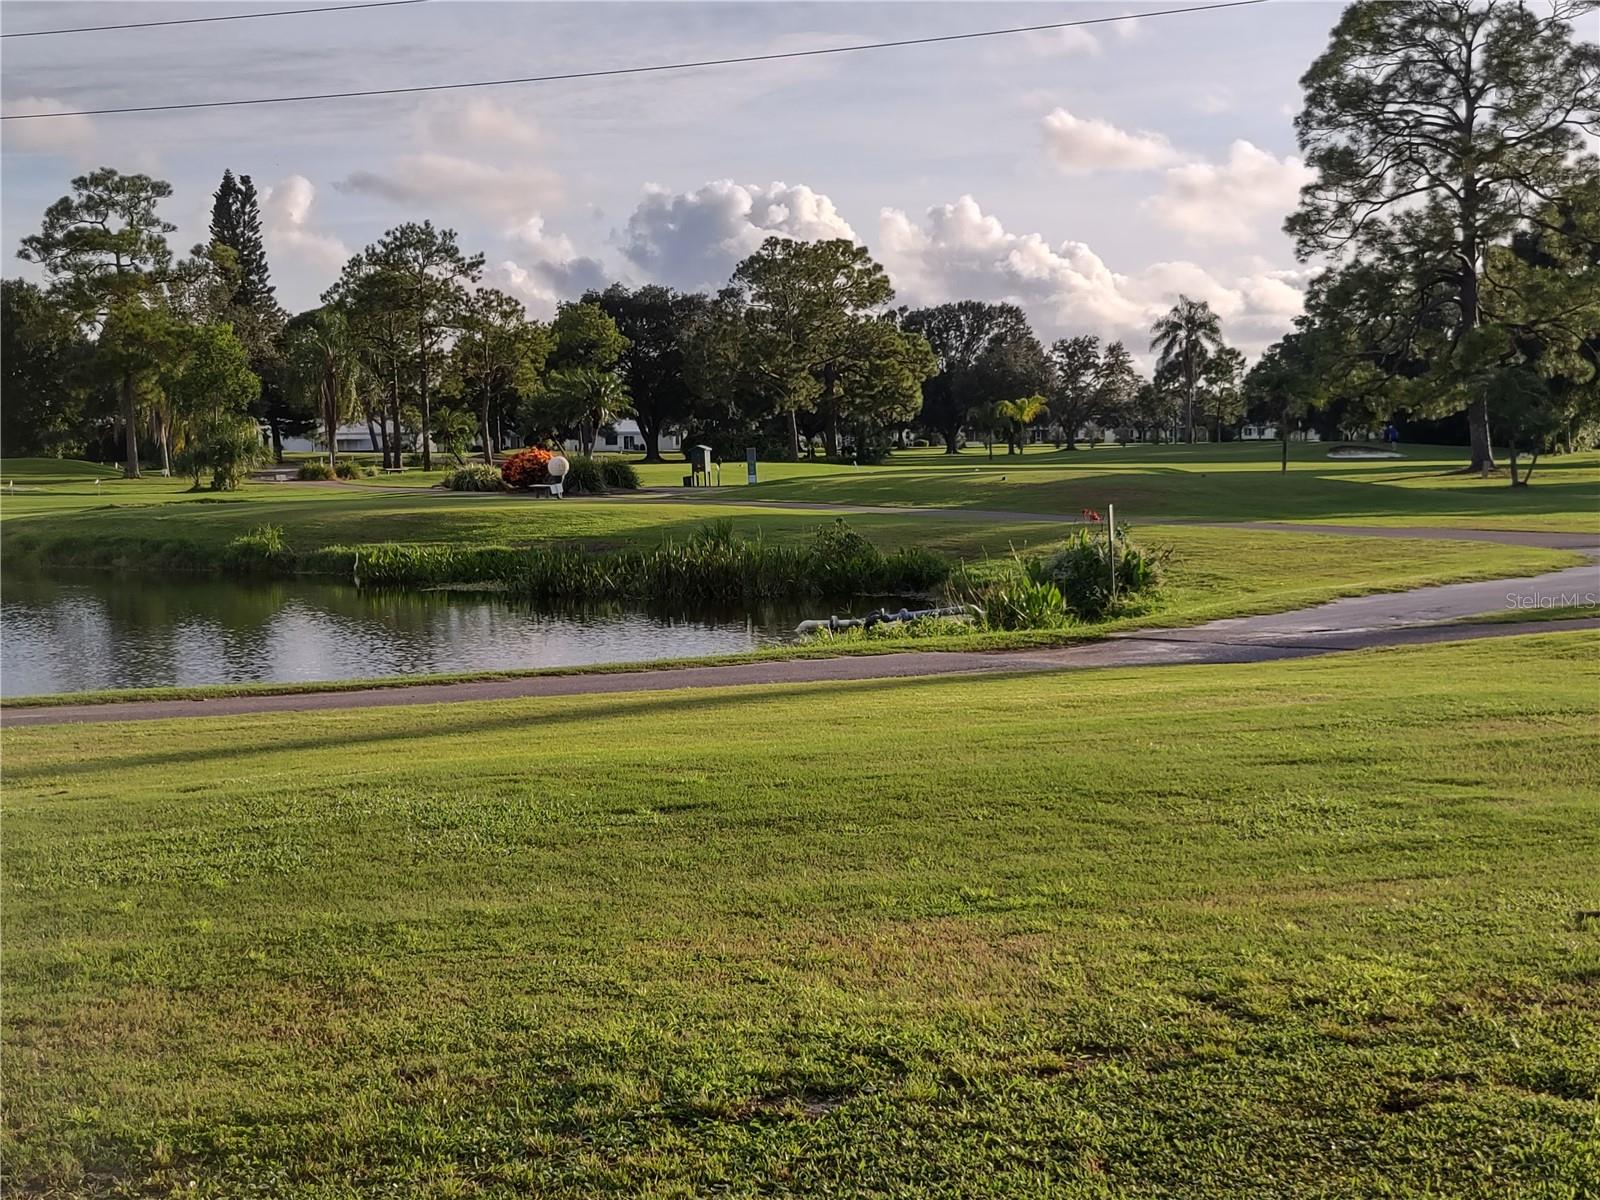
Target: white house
{"x":625,"y":437}
{"x":353,"y":438}
{"x":1268,"y":432}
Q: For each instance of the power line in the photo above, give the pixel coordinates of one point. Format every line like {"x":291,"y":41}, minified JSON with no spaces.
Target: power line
{"x":614,"y":71}
{"x":251,"y":16}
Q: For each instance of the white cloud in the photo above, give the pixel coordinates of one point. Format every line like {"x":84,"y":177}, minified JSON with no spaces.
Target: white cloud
{"x":957,"y":251}
{"x":551,"y":270}
{"x":1230,"y":201}
{"x":294,"y":248}
{"x":1059,"y":43}
{"x":1090,"y":144}
{"x":1214,"y":101}
{"x":694,"y":239}
{"x":508,"y":195}
{"x":70,"y":137}
{"x":478,"y":122}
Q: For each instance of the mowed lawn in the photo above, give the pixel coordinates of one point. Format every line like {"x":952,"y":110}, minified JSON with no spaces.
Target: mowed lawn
{"x":1236,"y":481}
{"x":1296,"y":929}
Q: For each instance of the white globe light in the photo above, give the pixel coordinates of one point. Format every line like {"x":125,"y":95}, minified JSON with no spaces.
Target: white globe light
{"x":557,"y":466}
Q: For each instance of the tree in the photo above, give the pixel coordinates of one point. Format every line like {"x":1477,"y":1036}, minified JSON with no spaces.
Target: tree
{"x":324,"y":359}
{"x":1075,"y":384}
{"x":1158,"y":404}
{"x":137,"y":344}
{"x":1538,"y":354}
{"x":44,"y":360}
{"x":236,"y":223}
{"x":1007,"y":369}
{"x":964,"y":335}
{"x":655,"y":321}
{"x":499,"y":357}
{"x":1116,"y":383}
{"x":800,"y":303}
{"x":104,"y":249}
{"x":737,"y":398}
{"x":1222,"y":378}
{"x":453,"y":429}
{"x":212,"y":392}
{"x":881,"y":383}
{"x":1017,"y":415}
{"x":581,"y":398}
{"x":1438,"y":129}
{"x":419,"y":274}
{"x":1185,"y":337}
{"x":1283,"y":384}
{"x":586,"y":337}
{"x":373,"y":298}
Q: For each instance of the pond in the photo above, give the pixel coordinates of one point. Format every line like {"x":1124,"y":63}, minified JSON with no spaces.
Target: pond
{"x":79,"y":631}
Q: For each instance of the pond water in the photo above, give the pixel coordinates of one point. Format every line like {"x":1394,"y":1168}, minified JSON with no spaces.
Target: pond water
{"x":78,"y":631}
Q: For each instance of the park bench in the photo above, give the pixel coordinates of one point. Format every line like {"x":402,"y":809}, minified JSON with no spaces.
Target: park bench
{"x":550,"y":489}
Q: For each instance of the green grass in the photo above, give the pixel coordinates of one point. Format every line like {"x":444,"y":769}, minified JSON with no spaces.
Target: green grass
{"x":1230,"y":482}
{"x":1296,"y":929}
{"x":1516,"y":616}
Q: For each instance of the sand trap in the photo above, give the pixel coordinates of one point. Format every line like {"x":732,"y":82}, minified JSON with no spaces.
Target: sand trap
{"x":1353,"y":453}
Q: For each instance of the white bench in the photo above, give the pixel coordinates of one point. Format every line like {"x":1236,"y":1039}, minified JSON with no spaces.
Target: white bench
{"x":551,"y":489}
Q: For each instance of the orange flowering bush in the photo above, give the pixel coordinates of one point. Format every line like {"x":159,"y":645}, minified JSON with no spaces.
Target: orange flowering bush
{"x":526,"y":468}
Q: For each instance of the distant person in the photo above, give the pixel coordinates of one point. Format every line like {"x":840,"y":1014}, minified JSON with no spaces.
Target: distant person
{"x":1391,"y":436}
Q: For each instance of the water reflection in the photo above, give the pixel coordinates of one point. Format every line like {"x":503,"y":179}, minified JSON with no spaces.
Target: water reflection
{"x":62,"y":632}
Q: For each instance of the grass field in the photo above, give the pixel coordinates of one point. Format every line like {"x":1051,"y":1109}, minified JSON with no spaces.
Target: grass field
{"x":1235,"y":481}
{"x":1296,"y":929}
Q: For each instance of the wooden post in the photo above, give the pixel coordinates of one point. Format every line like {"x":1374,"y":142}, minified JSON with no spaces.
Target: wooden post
{"x":1111,"y":547}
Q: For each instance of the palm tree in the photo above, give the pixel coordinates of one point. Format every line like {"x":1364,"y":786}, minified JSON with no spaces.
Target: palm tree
{"x":453,"y":429}
{"x":587,"y":398}
{"x":1018,"y":415}
{"x":1185,"y":337}
{"x":325,"y":358}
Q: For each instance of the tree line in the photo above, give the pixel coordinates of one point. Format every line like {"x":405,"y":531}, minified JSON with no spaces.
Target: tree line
{"x":130,"y":352}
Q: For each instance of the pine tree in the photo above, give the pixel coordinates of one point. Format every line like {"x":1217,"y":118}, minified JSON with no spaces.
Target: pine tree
{"x":236,"y":223}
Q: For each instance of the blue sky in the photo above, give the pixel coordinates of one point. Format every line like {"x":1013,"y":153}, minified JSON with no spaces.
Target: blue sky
{"x":1089,"y":175}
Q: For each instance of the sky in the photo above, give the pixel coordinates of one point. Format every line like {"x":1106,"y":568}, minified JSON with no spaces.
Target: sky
{"x":1089,"y":175}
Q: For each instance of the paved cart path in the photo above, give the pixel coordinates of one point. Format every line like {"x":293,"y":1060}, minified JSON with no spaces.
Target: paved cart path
{"x":1388,"y":619}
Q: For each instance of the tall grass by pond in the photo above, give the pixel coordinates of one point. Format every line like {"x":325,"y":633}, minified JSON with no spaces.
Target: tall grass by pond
{"x":709,"y":566}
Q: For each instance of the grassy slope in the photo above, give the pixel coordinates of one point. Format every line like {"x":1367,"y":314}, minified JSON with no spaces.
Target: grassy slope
{"x":1293,"y":929}
{"x":1237,"y":481}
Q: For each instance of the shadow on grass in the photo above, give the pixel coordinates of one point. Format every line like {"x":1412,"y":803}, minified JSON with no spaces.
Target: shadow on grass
{"x":428,"y":722}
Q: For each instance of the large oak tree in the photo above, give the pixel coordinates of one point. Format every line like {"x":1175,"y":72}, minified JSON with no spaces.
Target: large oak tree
{"x":1439,"y":129}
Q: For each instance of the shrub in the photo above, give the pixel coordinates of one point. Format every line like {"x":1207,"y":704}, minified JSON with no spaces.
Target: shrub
{"x":353,"y":470}
{"x":1080,"y":571}
{"x":315,"y":469}
{"x":479,"y":477}
{"x":584,"y":476}
{"x":619,"y":475}
{"x":259,"y":550}
{"x":1024,"y":604}
{"x":526,"y":468}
